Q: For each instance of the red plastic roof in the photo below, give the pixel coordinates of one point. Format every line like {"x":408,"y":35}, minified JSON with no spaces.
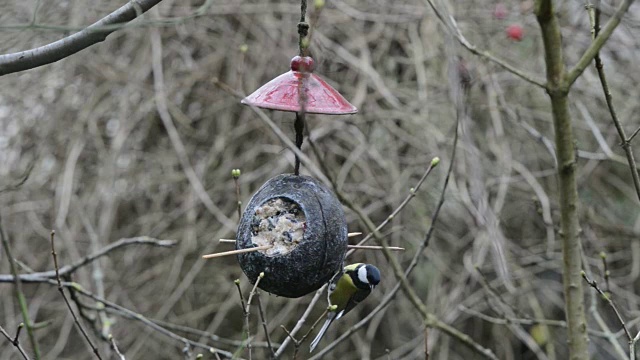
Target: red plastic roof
{"x":282,"y":93}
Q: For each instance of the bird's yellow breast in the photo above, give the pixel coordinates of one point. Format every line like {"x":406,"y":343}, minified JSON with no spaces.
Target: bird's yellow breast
{"x":345,"y":288}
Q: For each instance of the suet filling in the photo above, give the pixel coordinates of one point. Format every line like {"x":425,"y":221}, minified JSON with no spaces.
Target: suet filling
{"x":279,"y":223}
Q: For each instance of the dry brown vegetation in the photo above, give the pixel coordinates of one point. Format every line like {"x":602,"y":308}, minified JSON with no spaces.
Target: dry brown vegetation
{"x":84,"y":151}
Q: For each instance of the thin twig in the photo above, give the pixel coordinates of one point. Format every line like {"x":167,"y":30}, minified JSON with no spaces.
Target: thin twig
{"x":595,"y":313}
{"x":594,"y":17}
{"x":245,"y":315}
{"x":247,"y":312}
{"x":61,"y":290}
{"x":606,"y":273}
{"x":300,"y":322}
{"x":613,"y":306}
{"x":288,"y":333}
{"x":254,"y":289}
{"x":114,"y":347}
{"x":19,"y":294}
{"x":16,"y":341}
{"x":315,"y":17}
{"x":297,"y":343}
{"x":235,"y":173}
{"x":242,"y":302}
{"x":246,"y":309}
{"x":23,"y":179}
{"x":633,"y":135}
{"x":263,"y":318}
{"x":315,"y":323}
{"x":426,"y":343}
{"x":632,"y":346}
{"x":305,"y":336}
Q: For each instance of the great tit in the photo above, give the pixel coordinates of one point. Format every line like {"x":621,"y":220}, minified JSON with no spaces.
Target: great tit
{"x":346,"y":291}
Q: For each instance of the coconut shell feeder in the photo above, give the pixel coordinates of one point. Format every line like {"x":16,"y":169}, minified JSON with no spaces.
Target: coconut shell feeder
{"x":304,"y":226}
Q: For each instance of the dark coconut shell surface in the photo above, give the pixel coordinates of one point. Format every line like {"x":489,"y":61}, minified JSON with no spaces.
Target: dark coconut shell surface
{"x":310,"y":261}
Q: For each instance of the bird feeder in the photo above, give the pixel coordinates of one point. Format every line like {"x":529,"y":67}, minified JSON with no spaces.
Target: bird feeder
{"x":295,"y":224}
{"x":301,"y":230}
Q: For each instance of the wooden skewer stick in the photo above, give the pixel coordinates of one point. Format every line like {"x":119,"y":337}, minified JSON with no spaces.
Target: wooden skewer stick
{"x":360,"y":247}
{"x":265,"y":247}
{"x":373,"y":247}
{"x":233,"y":241}
{"x":234,"y":252}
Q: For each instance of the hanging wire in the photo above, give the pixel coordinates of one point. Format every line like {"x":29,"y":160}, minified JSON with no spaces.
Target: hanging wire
{"x":303,"y":28}
{"x":303,"y":31}
{"x":299,"y":128}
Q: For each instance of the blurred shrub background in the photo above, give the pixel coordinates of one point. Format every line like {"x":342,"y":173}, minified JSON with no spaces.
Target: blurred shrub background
{"x":102,"y":167}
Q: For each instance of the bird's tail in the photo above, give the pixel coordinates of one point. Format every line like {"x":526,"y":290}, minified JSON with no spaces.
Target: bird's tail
{"x":318,"y":337}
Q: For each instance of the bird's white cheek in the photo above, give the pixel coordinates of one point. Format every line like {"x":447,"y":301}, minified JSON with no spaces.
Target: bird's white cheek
{"x":362,"y":275}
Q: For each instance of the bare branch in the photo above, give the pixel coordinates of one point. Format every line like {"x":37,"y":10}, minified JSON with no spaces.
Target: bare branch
{"x":15,"y":341}
{"x":598,"y":43}
{"x":68,"y":269}
{"x":58,"y":50}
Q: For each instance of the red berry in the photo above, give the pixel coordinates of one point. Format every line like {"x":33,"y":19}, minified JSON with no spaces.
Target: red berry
{"x":515,"y":32}
{"x":302,"y":63}
{"x":500,"y":12}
